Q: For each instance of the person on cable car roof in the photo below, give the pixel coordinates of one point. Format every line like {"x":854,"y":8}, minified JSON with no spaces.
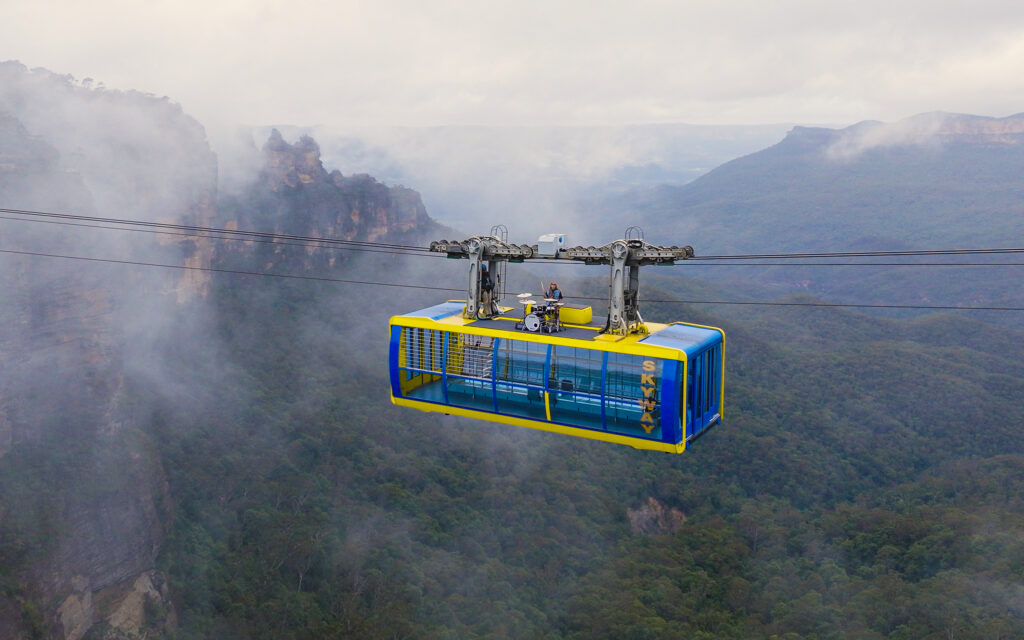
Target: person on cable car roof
{"x":486,"y":293}
{"x":553,"y":293}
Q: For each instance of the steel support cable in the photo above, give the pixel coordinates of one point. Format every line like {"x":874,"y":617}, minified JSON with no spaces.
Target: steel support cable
{"x":863,"y":264}
{"x":212,"y":231}
{"x":573,"y":263}
{"x":215,"y":232}
{"x":861,"y":254}
{"x":218,"y":237}
{"x":218,"y":270}
{"x":429,"y":288}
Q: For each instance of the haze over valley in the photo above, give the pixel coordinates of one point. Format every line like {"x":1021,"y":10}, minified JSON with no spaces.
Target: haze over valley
{"x":196,"y":438}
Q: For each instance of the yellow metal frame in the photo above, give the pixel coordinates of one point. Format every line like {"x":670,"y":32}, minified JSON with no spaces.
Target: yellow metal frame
{"x":636,"y":443}
{"x":633,"y":347}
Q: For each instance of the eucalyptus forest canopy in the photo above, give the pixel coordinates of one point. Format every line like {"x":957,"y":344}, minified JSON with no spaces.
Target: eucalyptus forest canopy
{"x":219,"y":449}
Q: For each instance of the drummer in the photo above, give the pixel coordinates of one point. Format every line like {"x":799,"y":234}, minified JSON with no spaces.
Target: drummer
{"x":554,"y":293}
{"x":553,"y":296}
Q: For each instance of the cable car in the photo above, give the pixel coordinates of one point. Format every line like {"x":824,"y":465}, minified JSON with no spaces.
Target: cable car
{"x":556,"y":367}
{"x":659,"y":390}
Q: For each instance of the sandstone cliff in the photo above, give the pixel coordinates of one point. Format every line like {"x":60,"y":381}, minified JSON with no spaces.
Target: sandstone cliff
{"x":295,"y":195}
{"x":85,"y":505}
{"x":355,"y":207}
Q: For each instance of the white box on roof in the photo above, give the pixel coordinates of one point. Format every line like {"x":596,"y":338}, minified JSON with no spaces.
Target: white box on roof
{"x":550,"y":244}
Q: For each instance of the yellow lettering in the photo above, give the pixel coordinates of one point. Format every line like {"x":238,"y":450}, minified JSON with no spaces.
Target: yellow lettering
{"x":649,"y":387}
{"x":647,"y":422}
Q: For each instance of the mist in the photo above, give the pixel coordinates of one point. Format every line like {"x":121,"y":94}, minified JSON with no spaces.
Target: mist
{"x":534,"y":180}
{"x":214,"y":454}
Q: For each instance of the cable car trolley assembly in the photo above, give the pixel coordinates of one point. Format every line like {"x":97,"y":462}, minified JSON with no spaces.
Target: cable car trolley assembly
{"x":555,"y":366}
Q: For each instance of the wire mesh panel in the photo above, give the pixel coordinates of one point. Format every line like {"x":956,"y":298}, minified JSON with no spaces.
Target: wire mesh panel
{"x":478,"y":356}
{"x":422,"y":350}
{"x":420,"y":361}
{"x":470,"y":362}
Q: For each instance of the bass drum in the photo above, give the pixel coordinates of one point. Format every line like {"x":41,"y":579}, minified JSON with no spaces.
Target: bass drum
{"x":531,"y":322}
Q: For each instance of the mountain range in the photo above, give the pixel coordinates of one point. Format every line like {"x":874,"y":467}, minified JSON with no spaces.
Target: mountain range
{"x":207,"y":450}
{"x":935,"y":181}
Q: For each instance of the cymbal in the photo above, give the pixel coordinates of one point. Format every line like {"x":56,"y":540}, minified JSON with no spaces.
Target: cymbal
{"x":524,"y":295}
{"x":527,"y":302}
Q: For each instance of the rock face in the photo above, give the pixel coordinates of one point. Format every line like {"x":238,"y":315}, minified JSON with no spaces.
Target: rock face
{"x":1006,"y":130}
{"x":654,"y":518}
{"x":332,"y":205}
{"x":84,"y":501}
{"x":294,"y":195}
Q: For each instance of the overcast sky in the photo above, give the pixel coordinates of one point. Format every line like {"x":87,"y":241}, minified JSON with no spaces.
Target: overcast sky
{"x":435,"y":62}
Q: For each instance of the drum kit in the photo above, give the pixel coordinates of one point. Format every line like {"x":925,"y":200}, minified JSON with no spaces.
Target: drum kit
{"x":543,"y":318}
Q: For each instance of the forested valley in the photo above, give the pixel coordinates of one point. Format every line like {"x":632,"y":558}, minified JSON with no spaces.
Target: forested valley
{"x":207,"y":450}
{"x":865,"y":484}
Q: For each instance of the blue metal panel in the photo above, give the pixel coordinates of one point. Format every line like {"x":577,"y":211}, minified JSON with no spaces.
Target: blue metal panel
{"x":547,"y":374}
{"x":437,"y":311}
{"x":396,"y":387}
{"x":670,"y":430}
{"x":684,"y":337}
{"x":494,"y":372}
{"x":686,"y":398}
{"x":604,"y":392}
{"x":705,"y":373}
{"x":695,"y":413}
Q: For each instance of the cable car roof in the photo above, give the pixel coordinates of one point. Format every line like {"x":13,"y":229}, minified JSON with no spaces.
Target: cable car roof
{"x":686,"y":338}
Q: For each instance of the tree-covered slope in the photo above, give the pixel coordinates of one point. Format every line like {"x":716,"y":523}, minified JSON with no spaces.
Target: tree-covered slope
{"x":861,"y":481}
{"x":935,"y":181}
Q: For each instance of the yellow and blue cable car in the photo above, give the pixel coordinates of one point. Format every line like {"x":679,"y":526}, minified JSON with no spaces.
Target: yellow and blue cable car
{"x":658,"y":389}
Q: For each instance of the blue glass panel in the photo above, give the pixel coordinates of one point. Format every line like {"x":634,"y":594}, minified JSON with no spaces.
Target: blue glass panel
{"x":471,"y":393}
{"x":633,"y":396}
{"x":575,"y":386}
{"x":520,"y":400}
{"x":521,"y":362}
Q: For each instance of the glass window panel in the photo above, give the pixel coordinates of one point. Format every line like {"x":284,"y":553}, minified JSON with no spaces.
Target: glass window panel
{"x":521,"y":362}
{"x":633,"y":395}
{"x":521,"y":400}
{"x":470,"y":393}
{"x":575,"y":386}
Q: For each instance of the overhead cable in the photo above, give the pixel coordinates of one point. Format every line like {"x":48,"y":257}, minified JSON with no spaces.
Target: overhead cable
{"x":213,"y":231}
{"x":422,"y":287}
{"x":366,"y":249}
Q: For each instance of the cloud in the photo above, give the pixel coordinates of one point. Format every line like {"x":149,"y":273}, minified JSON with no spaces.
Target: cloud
{"x":920,"y":130}
{"x":532,"y":62}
